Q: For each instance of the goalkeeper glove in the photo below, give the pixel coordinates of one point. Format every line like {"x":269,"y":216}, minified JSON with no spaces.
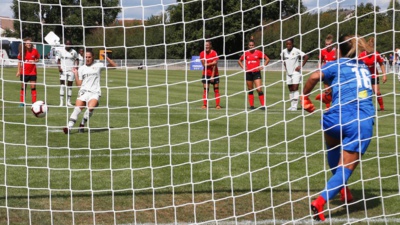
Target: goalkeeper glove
{"x":307,"y":104}
{"x":325,"y":98}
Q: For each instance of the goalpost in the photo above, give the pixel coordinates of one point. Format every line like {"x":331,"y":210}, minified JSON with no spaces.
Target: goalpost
{"x":151,"y":155}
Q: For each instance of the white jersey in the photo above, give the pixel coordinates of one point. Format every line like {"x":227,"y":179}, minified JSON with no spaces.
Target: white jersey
{"x":292,"y":59}
{"x":81,"y":60}
{"x":67,"y":58}
{"x":398,"y":56}
{"x":90,"y":77}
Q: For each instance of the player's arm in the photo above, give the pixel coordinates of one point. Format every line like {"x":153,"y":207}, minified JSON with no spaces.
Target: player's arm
{"x":283,"y":60}
{"x":76,"y":61}
{"x":18,"y":68}
{"x":305,"y":59}
{"x":266,"y":60}
{"x":111,"y":63}
{"x":214,"y":65}
{"x":312,"y":81}
{"x":59,"y":65}
{"x":383,"y":69}
{"x":78,"y":81}
{"x":37,"y":57}
{"x":240,"y":62}
{"x":321,"y":61}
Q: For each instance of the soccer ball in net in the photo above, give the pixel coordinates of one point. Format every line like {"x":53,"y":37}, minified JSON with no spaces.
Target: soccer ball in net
{"x":39,"y":109}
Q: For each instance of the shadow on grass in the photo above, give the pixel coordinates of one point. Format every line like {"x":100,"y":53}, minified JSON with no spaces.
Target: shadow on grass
{"x":372,"y":200}
{"x":360,"y":203}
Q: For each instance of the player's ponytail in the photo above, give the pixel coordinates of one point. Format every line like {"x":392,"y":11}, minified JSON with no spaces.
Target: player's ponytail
{"x":350,"y":46}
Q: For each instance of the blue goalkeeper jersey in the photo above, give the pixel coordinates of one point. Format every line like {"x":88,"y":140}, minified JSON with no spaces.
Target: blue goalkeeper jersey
{"x":350,"y":82}
{"x":351,"y":115}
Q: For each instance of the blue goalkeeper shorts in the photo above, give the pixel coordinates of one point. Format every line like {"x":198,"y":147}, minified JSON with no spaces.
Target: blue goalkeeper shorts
{"x":355,"y":133}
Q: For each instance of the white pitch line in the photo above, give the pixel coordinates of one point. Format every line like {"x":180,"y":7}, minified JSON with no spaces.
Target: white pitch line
{"x":306,"y":221}
{"x":166,"y":154}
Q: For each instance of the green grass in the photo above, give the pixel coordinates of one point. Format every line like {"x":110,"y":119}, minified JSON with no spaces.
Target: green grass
{"x":152,"y":155}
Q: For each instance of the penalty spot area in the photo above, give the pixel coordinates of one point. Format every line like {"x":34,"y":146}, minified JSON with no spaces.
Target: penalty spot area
{"x":76,"y":129}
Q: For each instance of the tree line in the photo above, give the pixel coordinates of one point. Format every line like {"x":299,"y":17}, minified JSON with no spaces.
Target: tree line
{"x":181,"y":30}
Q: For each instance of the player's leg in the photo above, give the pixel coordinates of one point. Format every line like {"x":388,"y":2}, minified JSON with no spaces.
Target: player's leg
{"x":206,"y":86}
{"x":33,"y":88}
{"x":216,"y":93}
{"x":69,"y":93}
{"x":294,"y":96}
{"x":289,"y":82}
{"x":92,"y":104}
{"x":22,"y":91}
{"x":334,"y":150}
{"x":257,"y":83}
{"x":62,"y":88}
{"x":70,"y":81}
{"x":377,"y":91}
{"x":80,"y":103}
{"x":295,"y":90}
{"x":250,"y":93}
{"x":356,"y":137}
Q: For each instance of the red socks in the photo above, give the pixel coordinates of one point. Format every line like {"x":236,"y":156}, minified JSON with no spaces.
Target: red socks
{"x":205,"y":96}
{"x":251,"y":99}
{"x":33,"y":93}
{"x":261,"y":98}
{"x":380,"y":101}
{"x":217,"y":98}
{"x":21,"y":95}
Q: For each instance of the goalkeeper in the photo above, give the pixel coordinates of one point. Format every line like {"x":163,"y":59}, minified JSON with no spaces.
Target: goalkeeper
{"x":348,"y":125}
{"x":88,"y":79}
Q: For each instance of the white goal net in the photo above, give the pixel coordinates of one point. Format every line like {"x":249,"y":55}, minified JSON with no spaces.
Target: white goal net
{"x":157,"y":149}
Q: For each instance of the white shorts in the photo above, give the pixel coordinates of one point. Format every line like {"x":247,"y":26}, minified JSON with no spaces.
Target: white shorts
{"x":87,"y":96}
{"x":69,"y":76}
{"x":295,"y":78}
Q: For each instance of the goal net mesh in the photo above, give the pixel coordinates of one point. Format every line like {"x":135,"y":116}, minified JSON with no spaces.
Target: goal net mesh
{"x":151,"y":155}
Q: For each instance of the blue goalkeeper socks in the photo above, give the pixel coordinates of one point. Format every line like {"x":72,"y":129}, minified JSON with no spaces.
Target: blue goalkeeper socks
{"x":333,"y":156}
{"x":336,"y":182}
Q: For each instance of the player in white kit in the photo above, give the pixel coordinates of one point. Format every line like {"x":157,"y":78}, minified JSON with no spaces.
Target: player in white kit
{"x":81,"y":57}
{"x":396,"y":66}
{"x":67,"y":60}
{"x":293,"y":59}
{"x":88,"y":79}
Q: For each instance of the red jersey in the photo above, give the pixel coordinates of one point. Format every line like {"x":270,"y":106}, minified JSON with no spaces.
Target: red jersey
{"x":28,"y":64}
{"x":209,"y":58}
{"x":252,"y":60}
{"x":370,"y":60}
{"x":326,"y":56}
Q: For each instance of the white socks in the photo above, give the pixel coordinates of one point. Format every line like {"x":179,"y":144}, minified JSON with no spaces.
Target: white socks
{"x":69,"y":94}
{"x":295,"y":99}
{"x":86,"y":116}
{"x":74,"y":116}
{"x":62,"y":92}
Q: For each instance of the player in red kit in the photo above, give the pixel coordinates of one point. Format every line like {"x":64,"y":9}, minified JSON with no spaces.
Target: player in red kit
{"x":328,"y":54}
{"x":371,"y":59}
{"x":251,"y":65}
{"x":27,"y":59}
{"x":209,"y":59}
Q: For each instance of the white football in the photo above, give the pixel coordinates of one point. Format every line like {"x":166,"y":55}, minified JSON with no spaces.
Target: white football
{"x":39,"y":109}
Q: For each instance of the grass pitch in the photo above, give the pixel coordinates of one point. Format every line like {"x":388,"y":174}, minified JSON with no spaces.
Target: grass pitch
{"x":150,"y":154}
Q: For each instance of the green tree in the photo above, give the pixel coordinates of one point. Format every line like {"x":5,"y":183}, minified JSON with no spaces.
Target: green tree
{"x":229,"y":24}
{"x":69,"y":19}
